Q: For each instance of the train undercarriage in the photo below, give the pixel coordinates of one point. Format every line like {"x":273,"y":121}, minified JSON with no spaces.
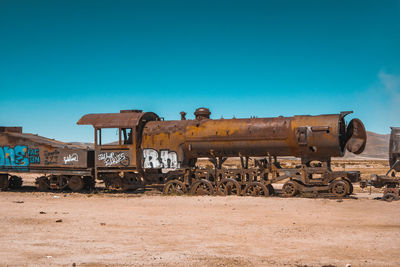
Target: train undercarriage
{"x":75,"y":181}
{"x":255,"y":180}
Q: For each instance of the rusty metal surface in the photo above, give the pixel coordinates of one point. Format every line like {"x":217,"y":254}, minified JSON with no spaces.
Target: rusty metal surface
{"x":175,"y":144}
{"x":356,"y":136}
{"x":10,"y":129}
{"x":23,"y":152}
{"x":394,"y":149}
{"x":202,"y":113}
{"x":122,"y":156}
{"x":124,"y":119}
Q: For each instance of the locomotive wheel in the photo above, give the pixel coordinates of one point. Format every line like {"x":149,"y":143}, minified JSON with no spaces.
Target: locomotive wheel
{"x":271,"y":189}
{"x":389,"y":197}
{"x":340,"y":188}
{"x":175,"y":187}
{"x":43,"y":183}
{"x":116,"y":183}
{"x":289,"y":189}
{"x":59,"y":182}
{"x":202,"y":187}
{"x":89,"y":182}
{"x":350,"y":186}
{"x":76,"y":183}
{"x":15,"y":182}
{"x":256,"y":189}
{"x":228,"y":187}
{"x":3,"y":181}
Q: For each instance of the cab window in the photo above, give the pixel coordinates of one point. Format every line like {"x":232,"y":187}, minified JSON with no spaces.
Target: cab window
{"x":114,"y":136}
{"x":126,"y":136}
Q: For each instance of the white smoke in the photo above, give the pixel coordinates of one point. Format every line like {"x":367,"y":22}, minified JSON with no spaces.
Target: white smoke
{"x":390,"y":85}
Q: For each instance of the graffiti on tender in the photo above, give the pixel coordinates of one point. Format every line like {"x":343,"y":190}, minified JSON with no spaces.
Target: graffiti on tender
{"x":33,"y":155}
{"x":71,"y":158}
{"x":18,"y":157}
{"x":51,"y":157}
{"x":114,"y":158}
{"x":163,"y":159}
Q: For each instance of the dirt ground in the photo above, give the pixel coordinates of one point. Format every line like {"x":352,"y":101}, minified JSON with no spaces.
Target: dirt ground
{"x":151,"y":230}
{"x":155,"y":230}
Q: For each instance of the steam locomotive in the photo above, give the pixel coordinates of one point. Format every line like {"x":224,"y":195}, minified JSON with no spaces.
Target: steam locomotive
{"x":152,"y":152}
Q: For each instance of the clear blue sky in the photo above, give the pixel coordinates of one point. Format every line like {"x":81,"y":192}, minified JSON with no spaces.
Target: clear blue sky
{"x":60,"y":60}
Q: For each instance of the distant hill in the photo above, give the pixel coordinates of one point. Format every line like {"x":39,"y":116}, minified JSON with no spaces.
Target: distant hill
{"x":377,"y":147}
{"x":83,"y":145}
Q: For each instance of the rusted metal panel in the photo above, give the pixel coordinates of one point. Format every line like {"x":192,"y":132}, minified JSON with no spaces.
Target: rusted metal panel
{"x":178,"y":143}
{"x":394,"y":149}
{"x":356,"y":136}
{"x":10,"y":129}
{"x":113,"y":158}
{"x":116,"y":120}
{"x":123,"y":156}
{"x":26,"y":152}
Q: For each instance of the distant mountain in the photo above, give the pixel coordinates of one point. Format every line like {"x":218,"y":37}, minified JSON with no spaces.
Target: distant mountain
{"x":377,"y":147}
{"x":83,"y":145}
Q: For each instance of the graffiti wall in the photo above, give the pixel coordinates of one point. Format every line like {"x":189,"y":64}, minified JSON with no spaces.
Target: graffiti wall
{"x":71,"y":158}
{"x":18,"y":157}
{"x":51,"y":157}
{"x":21,"y":157}
{"x":154,"y":159}
{"x":110,"y":159}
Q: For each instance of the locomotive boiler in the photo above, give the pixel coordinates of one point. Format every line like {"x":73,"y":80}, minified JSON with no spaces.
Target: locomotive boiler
{"x":149,"y":150}
{"x":307,"y":137}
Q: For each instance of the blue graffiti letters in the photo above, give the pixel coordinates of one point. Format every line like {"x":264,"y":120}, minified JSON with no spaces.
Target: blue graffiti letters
{"x":34,"y":157}
{"x":20,"y":152}
{"x":18,"y":157}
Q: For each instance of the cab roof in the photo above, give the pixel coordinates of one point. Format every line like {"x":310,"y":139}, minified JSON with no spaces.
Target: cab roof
{"x":124,"y":119}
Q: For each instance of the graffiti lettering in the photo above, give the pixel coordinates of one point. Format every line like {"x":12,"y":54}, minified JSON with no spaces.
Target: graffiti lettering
{"x":18,"y":157}
{"x":34,"y":157}
{"x":51,"y":157}
{"x":163,"y":159}
{"x":70,"y":158}
{"x":151,"y":160}
{"x":114,"y":158}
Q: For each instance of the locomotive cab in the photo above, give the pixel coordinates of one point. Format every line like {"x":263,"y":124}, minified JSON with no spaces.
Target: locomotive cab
{"x":118,"y":160}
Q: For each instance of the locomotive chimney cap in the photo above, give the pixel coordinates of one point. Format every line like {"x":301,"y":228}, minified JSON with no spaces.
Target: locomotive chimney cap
{"x":183,"y":115}
{"x":202,"y":113}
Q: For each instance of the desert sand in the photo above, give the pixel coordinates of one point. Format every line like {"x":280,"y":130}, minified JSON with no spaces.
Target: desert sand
{"x":149,"y":229}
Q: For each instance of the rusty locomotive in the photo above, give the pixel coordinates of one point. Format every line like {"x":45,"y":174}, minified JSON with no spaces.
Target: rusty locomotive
{"x":151,"y":152}
{"x":391,"y":180}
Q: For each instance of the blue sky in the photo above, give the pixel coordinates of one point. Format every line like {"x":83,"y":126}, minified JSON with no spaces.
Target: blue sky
{"x":60,"y":60}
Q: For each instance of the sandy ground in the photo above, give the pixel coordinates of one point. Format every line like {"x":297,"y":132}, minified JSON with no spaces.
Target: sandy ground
{"x":151,"y":230}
